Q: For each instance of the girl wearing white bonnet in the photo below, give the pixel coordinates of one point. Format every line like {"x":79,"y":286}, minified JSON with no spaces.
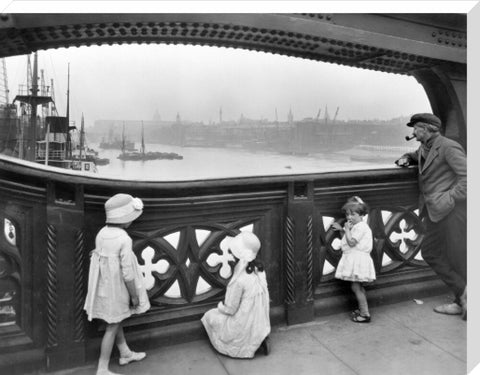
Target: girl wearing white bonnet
{"x":241,"y":324}
{"x":115,"y":282}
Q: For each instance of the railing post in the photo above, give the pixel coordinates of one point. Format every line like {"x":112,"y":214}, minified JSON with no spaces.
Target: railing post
{"x":65,"y":276}
{"x":298,"y":258}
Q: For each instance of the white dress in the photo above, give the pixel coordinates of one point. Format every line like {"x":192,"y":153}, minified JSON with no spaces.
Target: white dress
{"x":238,"y":327}
{"x":356,"y":264}
{"x":112,"y":263}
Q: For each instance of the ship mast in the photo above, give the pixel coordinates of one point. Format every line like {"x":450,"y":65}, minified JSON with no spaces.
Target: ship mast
{"x":123,"y":138}
{"x":69,"y":141}
{"x":82,"y":137}
{"x":4,"y":84}
{"x":29,"y":75}
{"x":32,"y":99}
{"x":276,"y":120}
{"x":143,"y":142}
{"x":32,"y":141}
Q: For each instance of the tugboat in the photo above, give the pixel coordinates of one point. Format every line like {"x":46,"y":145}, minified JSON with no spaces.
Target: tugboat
{"x":142,"y":155}
{"x":83,"y":153}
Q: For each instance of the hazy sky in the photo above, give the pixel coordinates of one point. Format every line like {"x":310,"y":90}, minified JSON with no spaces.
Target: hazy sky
{"x":133,"y":81}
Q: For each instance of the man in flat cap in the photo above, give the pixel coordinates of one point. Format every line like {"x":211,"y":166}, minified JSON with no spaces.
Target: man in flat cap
{"x":442,"y":177}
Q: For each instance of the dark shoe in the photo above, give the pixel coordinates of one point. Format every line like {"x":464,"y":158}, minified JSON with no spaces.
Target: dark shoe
{"x":355,"y":312}
{"x":361,"y":319}
{"x":266,"y":346}
{"x":449,"y":309}
{"x":463,"y":302}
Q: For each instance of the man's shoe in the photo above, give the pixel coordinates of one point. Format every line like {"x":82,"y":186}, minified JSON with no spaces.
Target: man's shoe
{"x":133,"y":357}
{"x":449,"y":309}
{"x":463,"y":302}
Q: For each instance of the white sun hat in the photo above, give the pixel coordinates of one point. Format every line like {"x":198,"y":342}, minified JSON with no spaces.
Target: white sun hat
{"x":122,"y":209}
{"x":245,"y":246}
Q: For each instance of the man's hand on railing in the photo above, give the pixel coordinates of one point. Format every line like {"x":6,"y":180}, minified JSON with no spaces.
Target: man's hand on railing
{"x":402,"y":162}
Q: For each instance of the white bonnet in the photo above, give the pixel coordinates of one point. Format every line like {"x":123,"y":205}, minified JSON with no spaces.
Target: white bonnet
{"x":245,"y":246}
{"x":122,"y":209}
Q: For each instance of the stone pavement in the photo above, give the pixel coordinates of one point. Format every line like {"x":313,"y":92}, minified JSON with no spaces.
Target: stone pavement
{"x":404,"y":338}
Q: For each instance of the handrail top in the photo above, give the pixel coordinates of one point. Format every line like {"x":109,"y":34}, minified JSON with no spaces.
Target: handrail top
{"x":31,"y":169}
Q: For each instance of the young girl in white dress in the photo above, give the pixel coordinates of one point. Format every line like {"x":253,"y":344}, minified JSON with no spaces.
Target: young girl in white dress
{"x":115,"y":282}
{"x":356,"y":264}
{"x":241,"y":324}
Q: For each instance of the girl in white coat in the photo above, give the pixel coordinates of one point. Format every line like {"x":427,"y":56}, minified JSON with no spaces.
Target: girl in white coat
{"x":115,"y":282}
{"x":241,"y":324}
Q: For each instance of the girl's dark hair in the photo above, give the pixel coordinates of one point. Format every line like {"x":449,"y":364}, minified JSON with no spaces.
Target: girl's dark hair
{"x":356,"y":204}
{"x":118,"y":225}
{"x":255,"y":264}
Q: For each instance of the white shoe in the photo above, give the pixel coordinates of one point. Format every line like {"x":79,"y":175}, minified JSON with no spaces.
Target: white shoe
{"x":106,"y":372}
{"x":133,"y":357}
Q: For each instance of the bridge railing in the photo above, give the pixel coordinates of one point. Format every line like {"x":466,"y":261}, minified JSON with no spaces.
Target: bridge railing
{"x":50,"y":221}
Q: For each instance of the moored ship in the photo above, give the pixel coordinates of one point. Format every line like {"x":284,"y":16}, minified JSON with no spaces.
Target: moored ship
{"x":40,"y":135}
{"x":115,"y":143}
{"x":142,"y":155}
{"x":82,"y":153}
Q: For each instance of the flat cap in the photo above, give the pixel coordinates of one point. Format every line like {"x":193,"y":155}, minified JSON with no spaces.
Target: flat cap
{"x":427,"y":118}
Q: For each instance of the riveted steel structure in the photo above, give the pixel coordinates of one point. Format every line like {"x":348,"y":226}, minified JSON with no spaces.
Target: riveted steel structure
{"x":50,"y":218}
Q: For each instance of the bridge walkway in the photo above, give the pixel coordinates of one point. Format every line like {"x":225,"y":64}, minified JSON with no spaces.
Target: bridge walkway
{"x":403,"y":338}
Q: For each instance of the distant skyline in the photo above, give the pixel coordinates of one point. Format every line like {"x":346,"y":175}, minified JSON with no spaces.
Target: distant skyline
{"x":133,"y":82}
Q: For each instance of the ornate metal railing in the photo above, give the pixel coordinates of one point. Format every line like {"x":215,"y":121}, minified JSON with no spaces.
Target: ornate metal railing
{"x":50,"y":221}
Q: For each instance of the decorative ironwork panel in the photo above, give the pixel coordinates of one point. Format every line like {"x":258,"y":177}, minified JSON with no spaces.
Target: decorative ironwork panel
{"x":17,"y":317}
{"x":10,"y":276}
{"x":187,"y":264}
{"x":403,"y":239}
{"x":398,"y":235}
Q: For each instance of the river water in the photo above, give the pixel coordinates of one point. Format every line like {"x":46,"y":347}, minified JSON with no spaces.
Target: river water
{"x":200,"y":163}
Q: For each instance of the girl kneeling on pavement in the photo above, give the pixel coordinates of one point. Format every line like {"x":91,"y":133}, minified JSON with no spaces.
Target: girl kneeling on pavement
{"x":240,"y":325}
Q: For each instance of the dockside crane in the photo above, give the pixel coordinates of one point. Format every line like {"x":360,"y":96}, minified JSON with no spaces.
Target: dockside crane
{"x":44,"y":92}
{"x":336,"y":114}
{"x":53,"y":108}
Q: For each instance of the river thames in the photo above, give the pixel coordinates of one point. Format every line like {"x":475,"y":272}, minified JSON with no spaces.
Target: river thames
{"x":201,"y":163}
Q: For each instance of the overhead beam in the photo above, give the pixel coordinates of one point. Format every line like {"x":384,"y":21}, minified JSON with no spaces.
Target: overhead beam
{"x":370,"y":41}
